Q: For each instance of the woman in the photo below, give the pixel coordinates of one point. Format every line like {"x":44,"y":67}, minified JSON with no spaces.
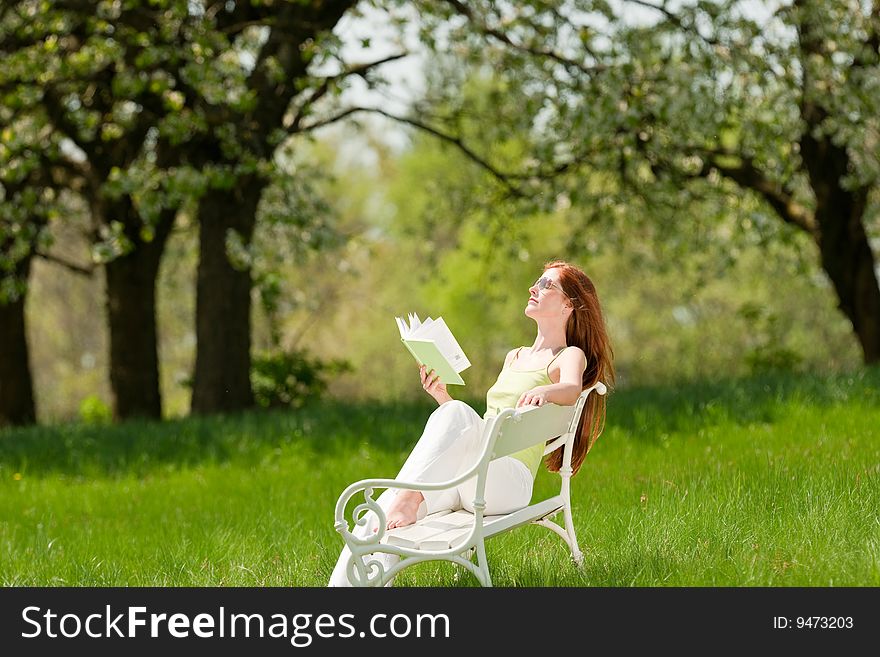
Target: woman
{"x":570,"y":353}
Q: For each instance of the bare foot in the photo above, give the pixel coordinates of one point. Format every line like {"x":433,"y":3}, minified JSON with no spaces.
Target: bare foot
{"x":404,"y":509}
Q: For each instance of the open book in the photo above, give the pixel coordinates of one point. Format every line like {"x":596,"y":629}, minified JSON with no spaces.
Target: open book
{"x":431,"y":343}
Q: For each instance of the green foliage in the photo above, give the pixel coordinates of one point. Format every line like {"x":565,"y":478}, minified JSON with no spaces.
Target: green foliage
{"x":156,"y":103}
{"x":296,"y":221}
{"x":767,"y":335}
{"x":140,"y":109}
{"x":712,"y":125}
{"x":675,"y":259}
{"x":292,"y":378}
{"x":93,"y":410}
{"x":29,"y":201}
{"x":676,"y":293}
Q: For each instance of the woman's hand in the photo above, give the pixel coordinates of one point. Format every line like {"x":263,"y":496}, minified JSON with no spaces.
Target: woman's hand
{"x":433,"y":386}
{"x":534,"y":397}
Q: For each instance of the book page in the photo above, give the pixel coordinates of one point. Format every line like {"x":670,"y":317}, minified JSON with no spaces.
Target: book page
{"x":423,"y":330}
{"x":401,"y":327}
{"x":447,"y":344}
{"x":408,"y":326}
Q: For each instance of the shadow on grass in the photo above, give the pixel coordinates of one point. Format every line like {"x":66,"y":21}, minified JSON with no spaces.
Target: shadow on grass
{"x":339,"y":428}
{"x":137,"y":447}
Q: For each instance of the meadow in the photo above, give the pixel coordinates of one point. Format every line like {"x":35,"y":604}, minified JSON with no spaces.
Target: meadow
{"x":772,"y":480}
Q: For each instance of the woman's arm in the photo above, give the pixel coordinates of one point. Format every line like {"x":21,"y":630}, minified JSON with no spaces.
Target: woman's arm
{"x":572,"y":364}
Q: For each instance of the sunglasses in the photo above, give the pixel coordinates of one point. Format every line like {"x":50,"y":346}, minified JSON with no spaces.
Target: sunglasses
{"x":543,"y":283}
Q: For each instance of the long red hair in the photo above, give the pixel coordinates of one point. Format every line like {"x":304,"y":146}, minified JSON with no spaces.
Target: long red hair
{"x":585,"y":329}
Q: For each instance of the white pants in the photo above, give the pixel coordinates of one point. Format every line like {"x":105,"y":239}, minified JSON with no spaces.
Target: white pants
{"x":450,"y":445}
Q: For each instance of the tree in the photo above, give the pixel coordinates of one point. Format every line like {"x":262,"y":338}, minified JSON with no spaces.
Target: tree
{"x":708,"y":97}
{"x":87,"y":75}
{"x":32,"y":181}
{"x":274,"y":99}
{"x":23,"y":219}
{"x":161,"y":105}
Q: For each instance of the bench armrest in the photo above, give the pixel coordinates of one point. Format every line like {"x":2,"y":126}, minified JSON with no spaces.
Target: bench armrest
{"x":369,"y":504}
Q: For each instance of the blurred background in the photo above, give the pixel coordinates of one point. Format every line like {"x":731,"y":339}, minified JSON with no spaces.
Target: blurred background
{"x":210,"y":206}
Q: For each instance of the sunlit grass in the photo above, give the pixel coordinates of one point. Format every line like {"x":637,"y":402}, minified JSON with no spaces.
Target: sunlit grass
{"x":771,"y":481}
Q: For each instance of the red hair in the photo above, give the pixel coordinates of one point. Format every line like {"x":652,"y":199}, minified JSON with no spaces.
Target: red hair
{"x":585,"y":328}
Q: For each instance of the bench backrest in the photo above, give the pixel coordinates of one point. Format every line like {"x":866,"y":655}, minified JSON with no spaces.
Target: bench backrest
{"x":520,"y":429}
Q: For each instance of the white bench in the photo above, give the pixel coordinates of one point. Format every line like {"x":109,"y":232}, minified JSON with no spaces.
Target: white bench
{"x":454,"y":536}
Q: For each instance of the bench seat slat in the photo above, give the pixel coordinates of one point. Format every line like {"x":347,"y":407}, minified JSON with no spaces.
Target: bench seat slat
{"x":431,"y":528}
{"x":446,"y":540}
{"x":443,"y":530}
{"x":497,"y":524}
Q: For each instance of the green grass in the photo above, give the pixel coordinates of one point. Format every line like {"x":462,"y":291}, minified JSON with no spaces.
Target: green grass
{"x":770,"y":481}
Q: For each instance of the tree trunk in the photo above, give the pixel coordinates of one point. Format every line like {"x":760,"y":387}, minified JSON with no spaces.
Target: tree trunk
{"x":850,"y":264}
{"x":131,"y":314}
{"x":845,"y":251}
{"x":222,"y":380}
{"x":16,"y":385}
{"x":840,"y":212}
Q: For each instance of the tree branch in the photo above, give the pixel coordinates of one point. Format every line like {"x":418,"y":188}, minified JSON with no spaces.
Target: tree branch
{"x":502,"y":177}
{"x":243,"y":15}
{"x":497,"y":34}
{"x":746,"y":174}
{"x":676,"y":20}
{"x":72,"y":266}
{"x":58,"y":117}
{"x":324,"y":87}
{"x":749,"y":176}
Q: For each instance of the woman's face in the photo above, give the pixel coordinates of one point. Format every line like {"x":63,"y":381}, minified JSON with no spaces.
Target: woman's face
{"x":546,"y":298}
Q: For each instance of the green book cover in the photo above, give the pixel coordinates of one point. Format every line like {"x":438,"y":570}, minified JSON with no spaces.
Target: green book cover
{"x":427,"y":353}
{"x":432,"y":344}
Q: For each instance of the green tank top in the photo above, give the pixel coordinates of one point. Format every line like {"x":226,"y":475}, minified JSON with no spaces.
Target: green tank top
{"x":505,"y":392}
